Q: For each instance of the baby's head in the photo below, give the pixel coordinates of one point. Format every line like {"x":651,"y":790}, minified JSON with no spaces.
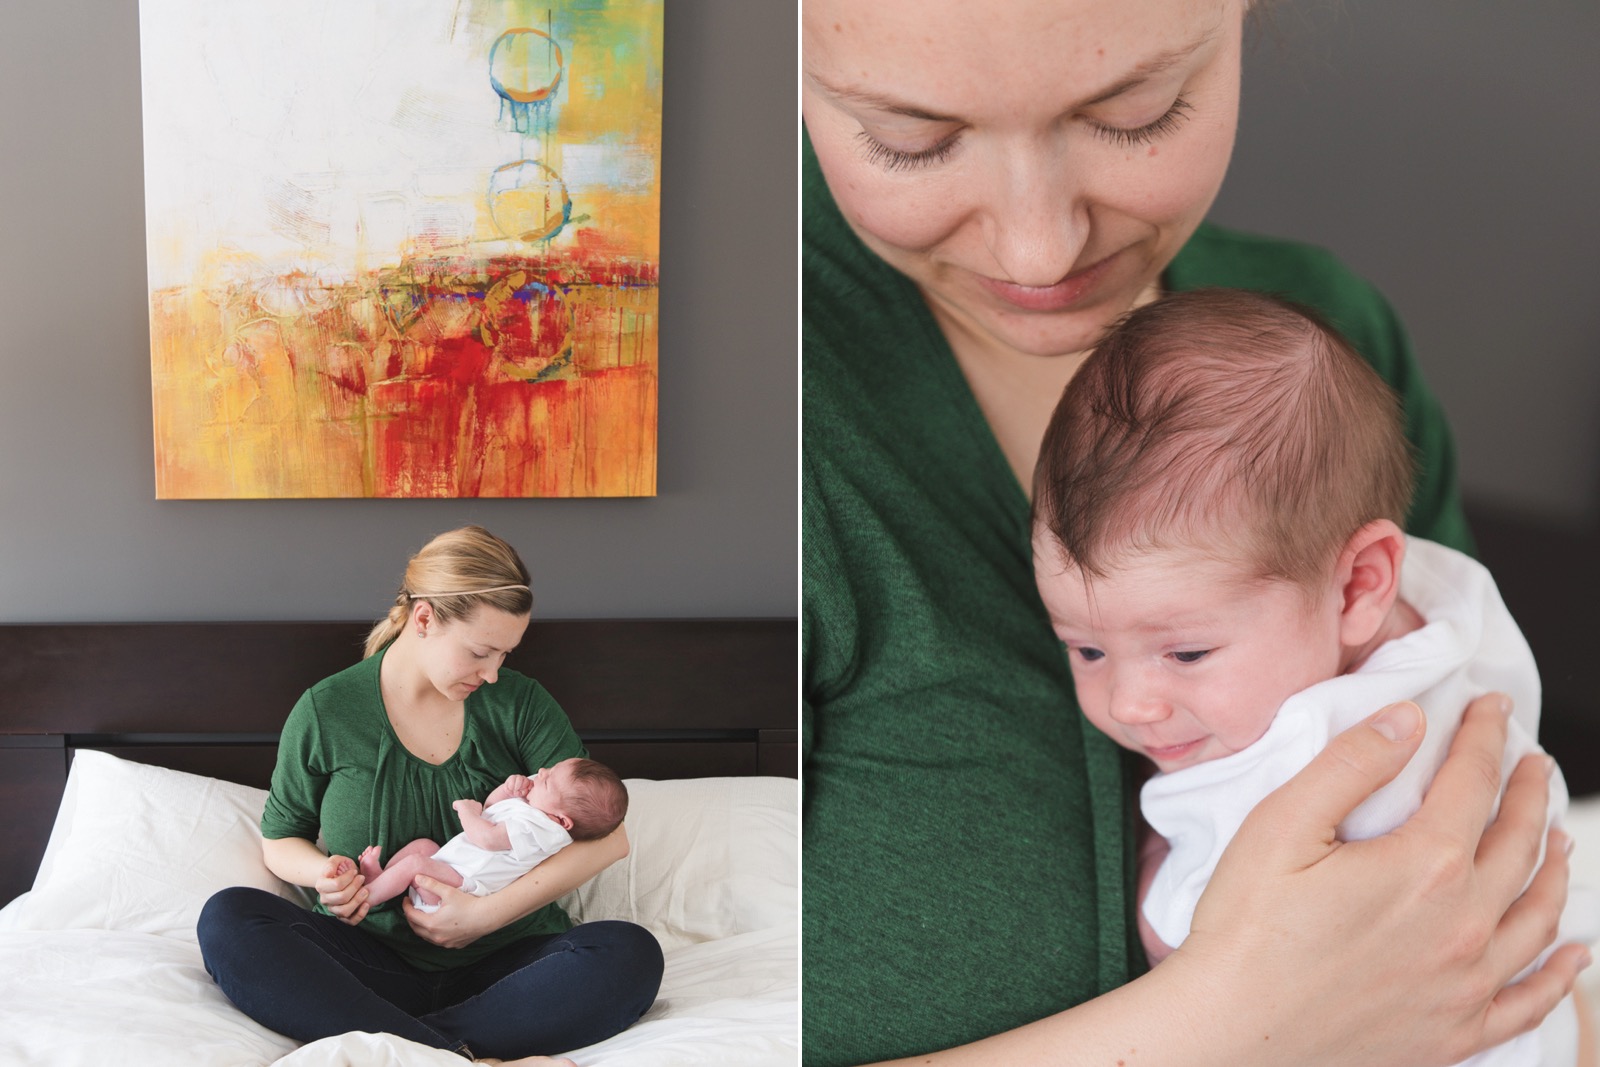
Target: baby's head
{"x":584,"y":796}
{"x":1217,"y":513}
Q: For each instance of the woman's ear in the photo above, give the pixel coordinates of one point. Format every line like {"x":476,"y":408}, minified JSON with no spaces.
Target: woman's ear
{"x":1369,"y":580}
{"x":421,"y":616}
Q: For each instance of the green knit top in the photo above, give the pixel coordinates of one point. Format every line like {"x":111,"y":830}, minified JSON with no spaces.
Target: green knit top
{"x":967,"y":849}
{"x":342,"y":773}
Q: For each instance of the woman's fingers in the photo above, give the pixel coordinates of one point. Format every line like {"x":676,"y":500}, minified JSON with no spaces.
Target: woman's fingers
{"x":355,"y":917}
{"x":1464,"y":792}
{"x":1519,"y":1008}
{"x":342,"y":890}
{"x":1530,"y":925}
{"x":1509,"y":848}
{"x":1353,"y":766}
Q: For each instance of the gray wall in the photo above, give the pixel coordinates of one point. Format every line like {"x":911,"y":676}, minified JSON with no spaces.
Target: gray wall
{"x":1449,"y":150}
{"x":83,"y":537}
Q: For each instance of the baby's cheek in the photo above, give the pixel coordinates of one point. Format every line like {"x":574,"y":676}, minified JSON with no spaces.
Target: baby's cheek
{"x":1092,"y":700}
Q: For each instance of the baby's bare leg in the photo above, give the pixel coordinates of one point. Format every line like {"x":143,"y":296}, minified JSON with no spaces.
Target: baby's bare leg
{"x":412,"y":860}
{"x":437,"y":870}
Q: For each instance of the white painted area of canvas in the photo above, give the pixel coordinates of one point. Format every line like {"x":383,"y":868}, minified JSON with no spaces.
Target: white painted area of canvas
{"x":324,"y":135}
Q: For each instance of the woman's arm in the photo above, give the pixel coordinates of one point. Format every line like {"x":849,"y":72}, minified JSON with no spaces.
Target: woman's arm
{"x":1379,"y":953}
{"x":337,"y":879}
{"x":463,"y":918}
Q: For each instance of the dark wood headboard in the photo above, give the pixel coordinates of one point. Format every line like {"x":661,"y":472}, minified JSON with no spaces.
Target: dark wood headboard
{"x":654,"y":698}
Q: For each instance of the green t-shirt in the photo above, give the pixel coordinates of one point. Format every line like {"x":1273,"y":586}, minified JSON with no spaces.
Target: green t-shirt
{"x":342,"y":773}
{"x":967,"y":841}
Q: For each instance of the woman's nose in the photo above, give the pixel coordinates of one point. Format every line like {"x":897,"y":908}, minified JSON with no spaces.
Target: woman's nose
{"x":1036,"y":226}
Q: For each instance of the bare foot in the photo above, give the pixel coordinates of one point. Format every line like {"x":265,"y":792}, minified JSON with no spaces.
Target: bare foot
{"x":370,"y":867}
{"x":531,"y":1061}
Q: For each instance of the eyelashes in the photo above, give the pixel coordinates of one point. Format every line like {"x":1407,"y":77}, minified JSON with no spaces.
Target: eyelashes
{"x":1143,"y":135}
{"x":880,"y":154}
{"x":893,"y":159}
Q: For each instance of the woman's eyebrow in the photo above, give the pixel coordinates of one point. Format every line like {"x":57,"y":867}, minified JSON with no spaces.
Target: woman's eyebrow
{"x":1159,"y":63}
{"x":878,"y":101}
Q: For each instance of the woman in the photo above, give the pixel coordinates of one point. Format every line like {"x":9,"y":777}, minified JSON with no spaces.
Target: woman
{"x":377,"y":754}
{"x":984,"y":194}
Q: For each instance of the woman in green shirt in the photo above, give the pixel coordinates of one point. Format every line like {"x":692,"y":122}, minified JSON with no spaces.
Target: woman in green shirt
{"x":985,"y":190}
{"x":378,"y":754}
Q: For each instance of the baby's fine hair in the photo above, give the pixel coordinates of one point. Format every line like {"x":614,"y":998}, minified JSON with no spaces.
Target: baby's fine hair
{"x":1228,"y":420}
{"x":599,"y":800}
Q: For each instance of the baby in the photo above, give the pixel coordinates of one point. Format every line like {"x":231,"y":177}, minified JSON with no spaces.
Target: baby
{"x":1217,"y":541}
{"x":521,"y":824}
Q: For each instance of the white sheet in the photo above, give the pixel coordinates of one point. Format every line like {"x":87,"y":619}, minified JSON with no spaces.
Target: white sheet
{"x":89,"y":998}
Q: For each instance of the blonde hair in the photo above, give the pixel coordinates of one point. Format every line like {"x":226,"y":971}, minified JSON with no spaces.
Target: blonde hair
{"x":457,"y":573}
{"x":1225,"y":418}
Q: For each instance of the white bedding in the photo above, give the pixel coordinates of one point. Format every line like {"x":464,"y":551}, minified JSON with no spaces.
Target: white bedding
{"x":99,"y":965}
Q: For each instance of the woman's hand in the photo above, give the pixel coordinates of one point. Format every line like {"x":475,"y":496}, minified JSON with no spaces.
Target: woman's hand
{"x":342,"y":890}
{"x":460,"y":919}
{"x":1407,"y":942}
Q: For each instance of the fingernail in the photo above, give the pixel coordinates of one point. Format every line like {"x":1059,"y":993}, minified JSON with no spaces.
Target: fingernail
{"x":1585,"y":959}
{"x":1399,"y":722}
{"x":1564,"y":840}
{"x":1549,"y":766}
{"x":1505,"y":704}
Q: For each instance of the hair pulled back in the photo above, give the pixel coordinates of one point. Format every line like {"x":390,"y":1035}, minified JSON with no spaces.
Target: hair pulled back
{"x":450,"y":573}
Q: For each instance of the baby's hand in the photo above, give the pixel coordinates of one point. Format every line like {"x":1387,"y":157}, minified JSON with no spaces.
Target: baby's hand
{"x":518,"y":785}
{"x":468,"y":807}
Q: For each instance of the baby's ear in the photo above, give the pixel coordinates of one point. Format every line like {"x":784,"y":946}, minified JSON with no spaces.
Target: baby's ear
{"x":1369,"y":580}
{"x":563,"y":818}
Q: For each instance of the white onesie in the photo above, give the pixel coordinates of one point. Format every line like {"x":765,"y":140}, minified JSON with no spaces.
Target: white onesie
{"x":1469,"y":646}
{"x":535,"y":837}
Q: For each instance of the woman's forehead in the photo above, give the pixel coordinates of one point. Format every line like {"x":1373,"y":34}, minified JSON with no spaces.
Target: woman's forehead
{"x":938,"y":56}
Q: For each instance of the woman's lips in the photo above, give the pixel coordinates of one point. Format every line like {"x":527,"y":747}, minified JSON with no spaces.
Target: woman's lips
{"x":1058,"y":297}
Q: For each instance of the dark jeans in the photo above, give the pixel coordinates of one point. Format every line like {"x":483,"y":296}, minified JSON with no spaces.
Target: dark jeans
{"x":309,"y":976}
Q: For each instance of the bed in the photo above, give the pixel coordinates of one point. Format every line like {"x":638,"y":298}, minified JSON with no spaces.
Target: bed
{"x":131,"y":801}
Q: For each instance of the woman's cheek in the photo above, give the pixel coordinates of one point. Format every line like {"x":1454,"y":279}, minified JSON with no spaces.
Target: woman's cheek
{"x":899,"y":212}
{"x":1171,"y":183}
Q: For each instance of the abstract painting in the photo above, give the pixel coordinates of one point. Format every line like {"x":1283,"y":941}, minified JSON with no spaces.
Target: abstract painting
{"x":403,"y":248}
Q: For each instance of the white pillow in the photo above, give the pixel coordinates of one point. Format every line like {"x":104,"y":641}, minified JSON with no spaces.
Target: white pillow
{"x":708,"y":858}
{"x":141,"y":848}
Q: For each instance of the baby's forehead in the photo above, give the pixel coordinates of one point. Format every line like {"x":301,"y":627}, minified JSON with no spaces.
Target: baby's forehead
{"x":1215,"y":561}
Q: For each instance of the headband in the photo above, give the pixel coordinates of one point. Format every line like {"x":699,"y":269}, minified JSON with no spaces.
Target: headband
{"x":467,"y":592}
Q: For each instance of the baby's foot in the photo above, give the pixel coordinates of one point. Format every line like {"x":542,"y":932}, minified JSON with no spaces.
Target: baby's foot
{"x":531,"y":1061}
{"x":370,"y":867}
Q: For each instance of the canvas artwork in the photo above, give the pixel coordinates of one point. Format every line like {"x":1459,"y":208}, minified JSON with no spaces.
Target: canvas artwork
{"x":403,"y":248}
